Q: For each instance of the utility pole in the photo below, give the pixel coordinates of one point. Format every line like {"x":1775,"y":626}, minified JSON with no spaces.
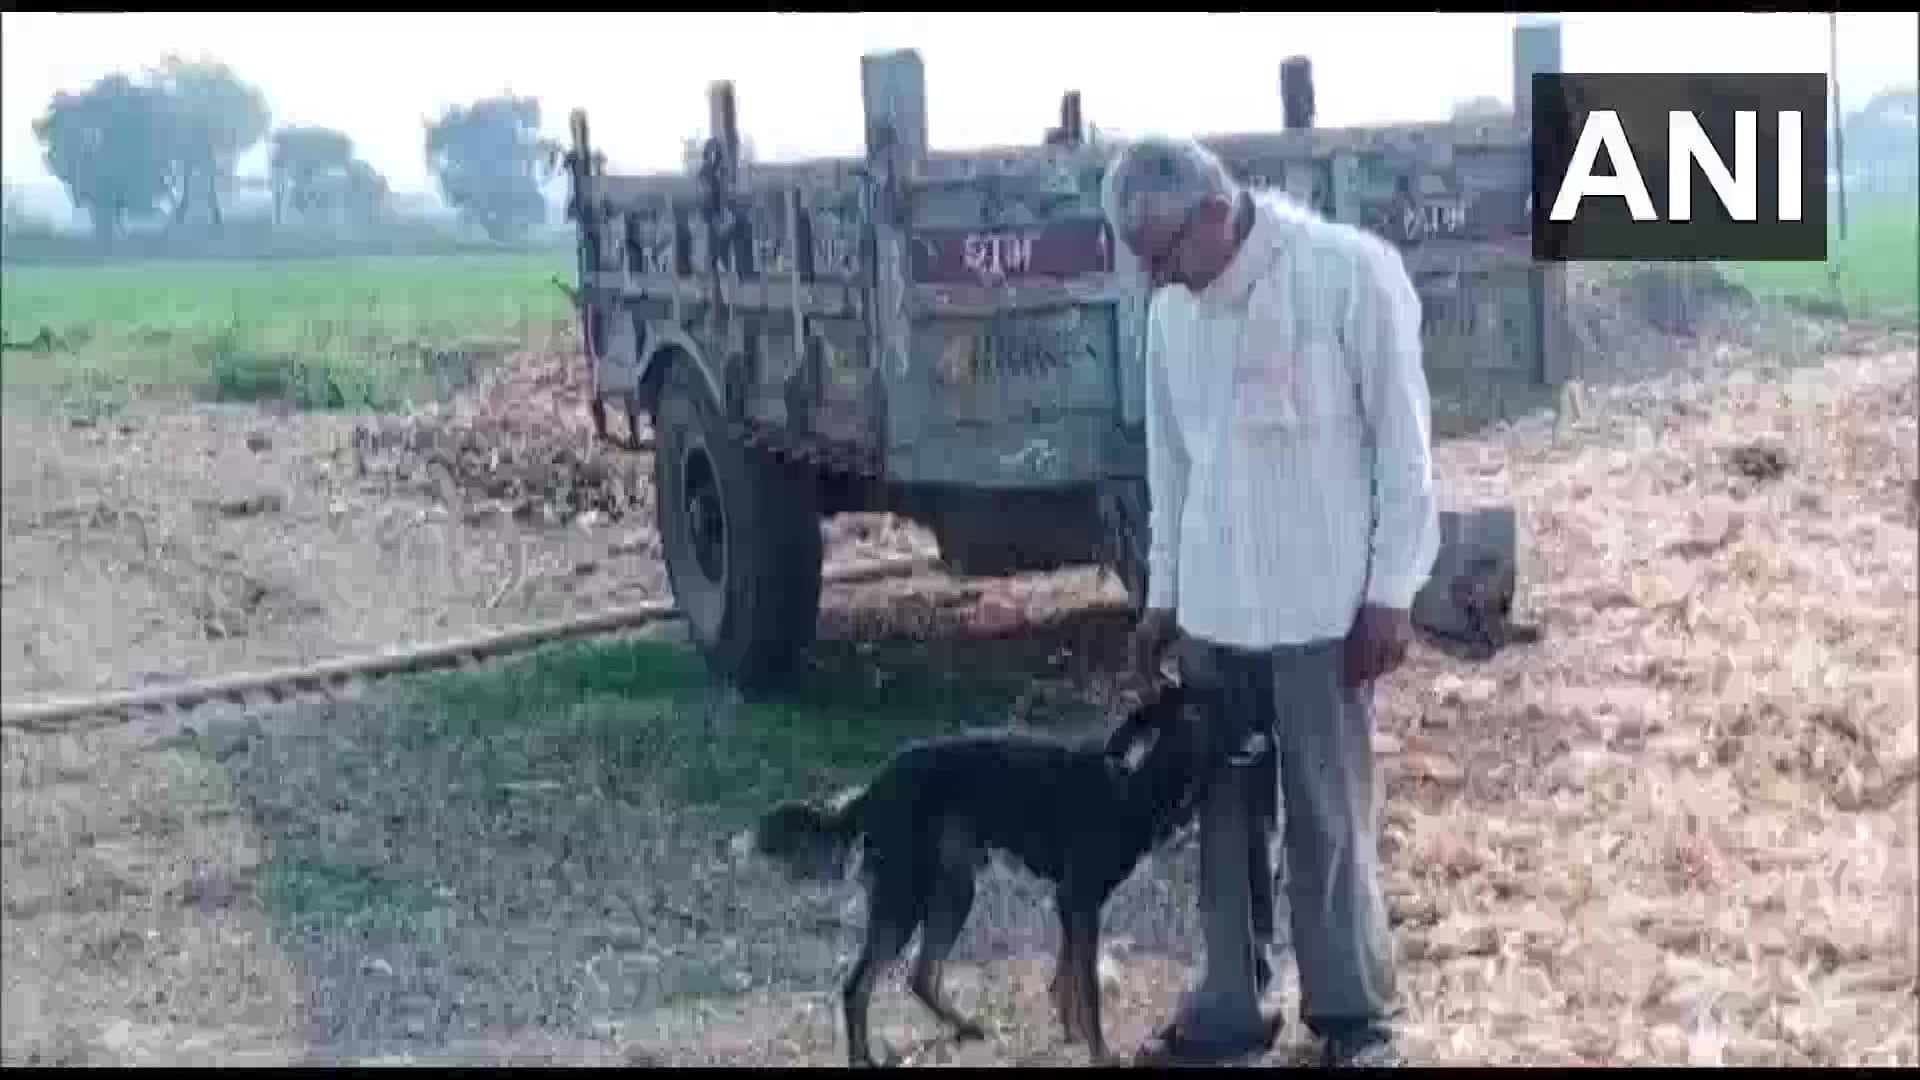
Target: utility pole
{"x":1839,"y":139}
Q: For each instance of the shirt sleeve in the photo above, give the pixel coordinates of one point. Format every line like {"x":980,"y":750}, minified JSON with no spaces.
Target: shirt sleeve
{"x":1383,"y":337}
{"x":1166,"y":472}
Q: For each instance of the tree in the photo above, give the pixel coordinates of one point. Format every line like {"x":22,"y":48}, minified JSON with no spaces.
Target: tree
{"x":1883,"y":139}
{"x":491,"y":162}
{"x":13,"y":209}
{"x":313,"y":172}
{"x":300,"y":162}
{"x":108,"y":145}
{"x":363,"y":192}
{"x":212,"y":118}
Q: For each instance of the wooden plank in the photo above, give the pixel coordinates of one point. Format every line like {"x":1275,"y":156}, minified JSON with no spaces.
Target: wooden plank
{"x":959,"y":166}
{"x":984,"y":302}
{"x":820,"y":299}
{"x":1468,"y":216}
{"x":828,"y":173}
{"x":893,"y":90}
{"x":1398,"y":139}
{"x":991,"y":256}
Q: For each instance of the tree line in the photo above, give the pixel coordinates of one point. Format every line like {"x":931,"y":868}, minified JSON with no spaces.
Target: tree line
{"x":165,"y":143}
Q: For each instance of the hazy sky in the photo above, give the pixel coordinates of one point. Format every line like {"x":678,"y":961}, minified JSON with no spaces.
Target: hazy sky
{"x":991,"y":78}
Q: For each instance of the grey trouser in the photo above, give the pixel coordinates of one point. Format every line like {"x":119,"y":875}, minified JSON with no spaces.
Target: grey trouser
{"x":1319,"y":767}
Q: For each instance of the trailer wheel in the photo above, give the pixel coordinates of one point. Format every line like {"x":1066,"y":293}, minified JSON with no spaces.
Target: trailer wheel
{"x":741,"y":534}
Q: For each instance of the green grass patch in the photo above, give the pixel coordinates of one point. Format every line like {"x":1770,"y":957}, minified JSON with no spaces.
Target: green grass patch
{"x":317,"y":894}
{"x":1875,"y":270}
{"x":322,"y":333}
{"x":461,"y":790}
{"x":628,"y":715}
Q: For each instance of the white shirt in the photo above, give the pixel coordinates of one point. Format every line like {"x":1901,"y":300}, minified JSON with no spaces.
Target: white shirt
{"x":1287,"y":437}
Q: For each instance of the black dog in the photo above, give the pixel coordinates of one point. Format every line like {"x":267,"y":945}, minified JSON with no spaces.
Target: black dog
{"x":1081,"y":817}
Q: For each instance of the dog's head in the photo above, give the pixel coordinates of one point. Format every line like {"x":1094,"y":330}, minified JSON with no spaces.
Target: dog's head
{"x":784,"y":828}
{"x":1140,"y":730}
{"x":1159,"y":752}
{"x":800,"y":838}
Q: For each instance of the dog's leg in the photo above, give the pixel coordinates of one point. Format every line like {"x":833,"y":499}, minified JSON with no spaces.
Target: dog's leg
{"x":1064,"y":986}
{"x":891,"y":919}
{"x":1083,"y":932}
{"x":947,"y":913}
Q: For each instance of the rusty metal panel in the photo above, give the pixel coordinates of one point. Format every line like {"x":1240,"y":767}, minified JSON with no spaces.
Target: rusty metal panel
{"x":1010,"y":256}
{"x":968,"y":315}
{"x":1019,"y":363}
{"x":650,"y":230}
{"x":1017,"y":400}
{"x":1012,"y":376}
{"x":1452,"y":198}
{"x":836,"y":228}
{"x":1414,"y":189}
{"x":843,"y":409}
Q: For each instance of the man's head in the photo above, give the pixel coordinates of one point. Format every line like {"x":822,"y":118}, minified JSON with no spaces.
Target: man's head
{"x":1172,"y":203}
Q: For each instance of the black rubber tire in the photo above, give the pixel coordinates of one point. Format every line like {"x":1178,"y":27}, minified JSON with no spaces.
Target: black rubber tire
{"x":757,"y":616}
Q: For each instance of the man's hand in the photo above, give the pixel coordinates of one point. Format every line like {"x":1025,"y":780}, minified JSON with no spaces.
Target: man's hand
{"x":1151,"y":636}
{"x":1377,"y":643}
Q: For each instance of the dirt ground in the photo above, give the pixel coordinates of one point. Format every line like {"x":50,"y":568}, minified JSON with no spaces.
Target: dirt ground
{"x":1681,"y":829}
{"x":165,"y":542}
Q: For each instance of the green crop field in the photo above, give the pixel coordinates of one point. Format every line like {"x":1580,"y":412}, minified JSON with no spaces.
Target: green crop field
{"x":1876,"y":268}
{"x":369,"y":332}
{"x":346,"y":331}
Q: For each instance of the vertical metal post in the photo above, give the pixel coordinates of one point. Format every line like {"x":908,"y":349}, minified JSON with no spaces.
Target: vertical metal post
{"x":1296,"y":93}
{"x":1070,"y":131}
{"x":1536,"y":50}
{"x":1296,"y":114}
{"x":893,"y":91}
{"x":583,"y":207}
{"x":1839,"y":120}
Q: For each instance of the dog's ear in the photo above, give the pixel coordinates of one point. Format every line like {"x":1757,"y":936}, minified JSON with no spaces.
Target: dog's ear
{"x":1172,"y":698}
{"x":1137,"y":751}
{"x":1131,"y":729}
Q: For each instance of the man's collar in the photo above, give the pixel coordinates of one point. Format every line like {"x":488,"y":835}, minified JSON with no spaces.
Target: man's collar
{"x":1272,"y":217}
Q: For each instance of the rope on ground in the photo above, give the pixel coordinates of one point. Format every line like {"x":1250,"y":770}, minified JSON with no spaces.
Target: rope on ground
{"x":57,"y":713}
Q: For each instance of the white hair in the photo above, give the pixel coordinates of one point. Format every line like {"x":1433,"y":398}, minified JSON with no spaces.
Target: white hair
{"x":1161,"y":179}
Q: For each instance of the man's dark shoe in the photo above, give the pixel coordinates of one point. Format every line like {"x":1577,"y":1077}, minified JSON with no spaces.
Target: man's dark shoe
{"x":1174,"y":1045}
{"x":1361,"y":1048}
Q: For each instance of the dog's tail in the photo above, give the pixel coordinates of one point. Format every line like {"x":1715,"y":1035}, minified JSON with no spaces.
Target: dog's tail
{"x":812,"y":840}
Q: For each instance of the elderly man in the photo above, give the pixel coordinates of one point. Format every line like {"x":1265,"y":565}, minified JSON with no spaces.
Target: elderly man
{"x":1293,"y":519}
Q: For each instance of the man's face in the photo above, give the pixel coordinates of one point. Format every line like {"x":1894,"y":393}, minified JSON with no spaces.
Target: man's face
{"x":1185,"y":251}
